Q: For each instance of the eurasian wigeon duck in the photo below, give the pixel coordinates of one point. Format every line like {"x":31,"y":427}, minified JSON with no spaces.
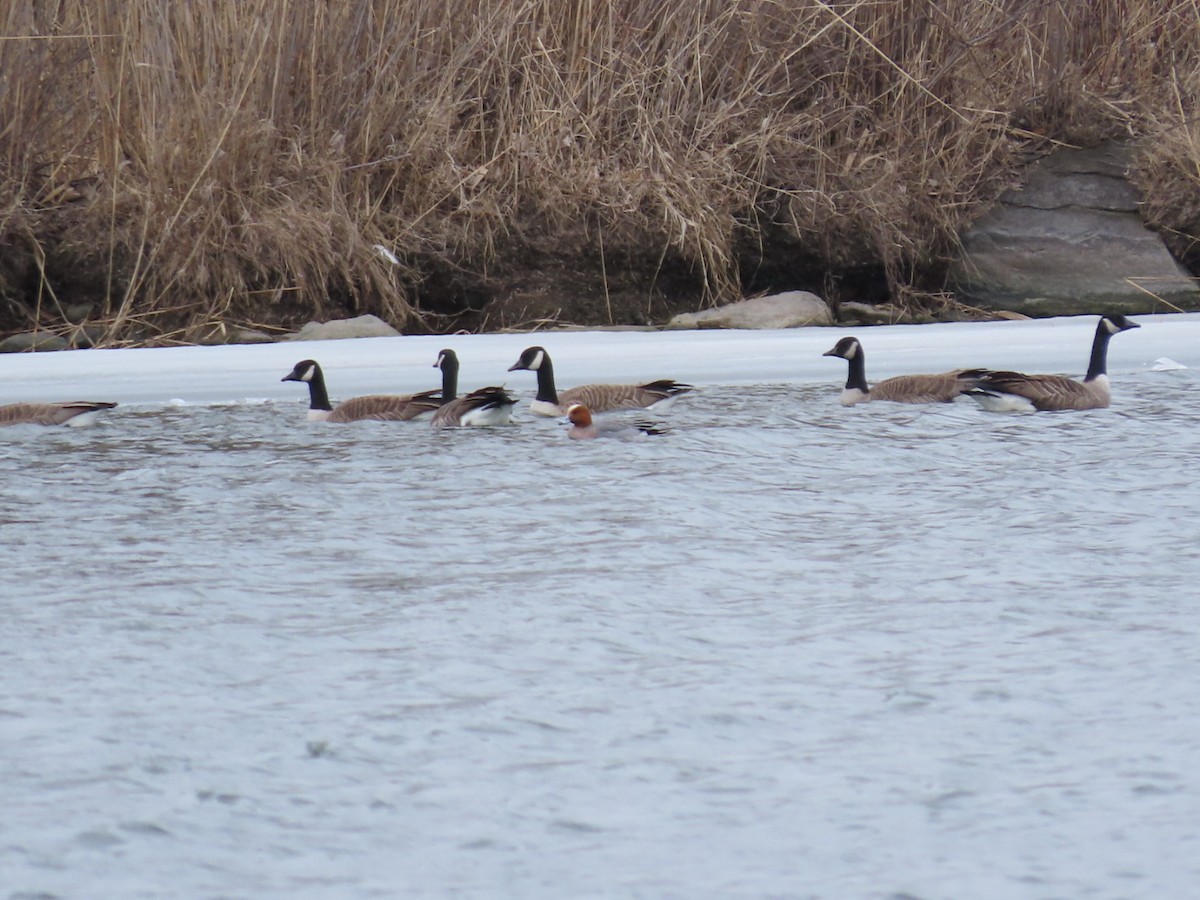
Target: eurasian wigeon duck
{"x":584,"y":428}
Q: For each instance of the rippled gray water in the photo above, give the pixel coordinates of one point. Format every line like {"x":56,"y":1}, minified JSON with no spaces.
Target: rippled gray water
{"x":787,"y":650}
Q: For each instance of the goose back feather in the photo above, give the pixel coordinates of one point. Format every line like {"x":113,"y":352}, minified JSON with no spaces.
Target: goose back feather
{"x":486,"y":406}
{"x":74,"y":413}
{"x":387,"y":407}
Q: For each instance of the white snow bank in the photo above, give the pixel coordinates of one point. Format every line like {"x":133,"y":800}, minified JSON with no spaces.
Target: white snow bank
{"x":404,"y":364}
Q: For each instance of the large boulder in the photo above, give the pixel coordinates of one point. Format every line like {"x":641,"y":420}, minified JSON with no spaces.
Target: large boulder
{"x":1070,"y":241}
{"x":24,"y":341}
{"x":791,"y":309}
{"x":358,"y":327}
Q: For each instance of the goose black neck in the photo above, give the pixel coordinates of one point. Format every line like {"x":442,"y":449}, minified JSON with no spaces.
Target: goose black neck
{"x":318,"y":397}
{"x":858,"y":372}
{"x":545,"y":377}
{"x":1098,"y":365}
{"x":449,"y":378}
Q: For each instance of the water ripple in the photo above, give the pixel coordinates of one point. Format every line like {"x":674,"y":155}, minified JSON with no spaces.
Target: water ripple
{"x":785,"y":648}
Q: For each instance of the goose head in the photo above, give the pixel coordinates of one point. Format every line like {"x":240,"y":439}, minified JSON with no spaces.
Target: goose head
{"x":846,"y":348}
{"x":531,"y":359}
{"x":305,"y":370}
{"x":447,"y":360}
{"x":1115,"y":324}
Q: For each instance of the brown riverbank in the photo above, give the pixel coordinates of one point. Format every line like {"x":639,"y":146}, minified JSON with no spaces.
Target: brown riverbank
{"x":166,"y":171}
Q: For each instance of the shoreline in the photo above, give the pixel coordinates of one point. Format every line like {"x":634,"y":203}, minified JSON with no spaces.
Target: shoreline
{"x":250,"y":372}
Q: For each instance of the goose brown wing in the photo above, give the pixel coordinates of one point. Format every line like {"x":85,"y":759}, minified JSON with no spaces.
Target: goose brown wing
{"x":451,"y":414}
{"x":1049,"y":392}
{"x":940,"y":388}
{"x":49,"y":413}
{"x":607,"y":397}
{"x":386,"y":407}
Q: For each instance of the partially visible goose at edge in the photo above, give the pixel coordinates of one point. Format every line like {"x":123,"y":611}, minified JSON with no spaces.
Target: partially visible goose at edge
{"x":377,"y":407}
{"x":73,"y":412}
{"x":942,"y":387}
{"x":486,"y":406}
{"x":1017,"y":392}
{"x":583,"y":428}
{"x":598,"y":398}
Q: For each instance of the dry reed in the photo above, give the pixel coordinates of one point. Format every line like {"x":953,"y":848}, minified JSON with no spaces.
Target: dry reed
{"x":180,"y":165}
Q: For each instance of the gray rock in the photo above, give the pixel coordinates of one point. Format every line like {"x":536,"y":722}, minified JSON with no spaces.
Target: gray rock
{"x":84,"y":336}
{"x":251,"y":336}
{"x":854,"y":313}
{"x":32,"y":340}
{"x":358,"y":327}
{"x":223,"y":334}
{"x":792,"y":309}
{"x":613,"y":328}
{"x":78,"y":313}
{"x":1070,"y":241}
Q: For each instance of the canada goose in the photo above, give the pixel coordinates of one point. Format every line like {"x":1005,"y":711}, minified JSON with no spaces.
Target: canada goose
{"x":597,"y":397}
{"x":1017,"y":392}
{"x":379,"y":407}
{"x":74,"y":413}
{"x":940,"y":388}
{"x":583,"y":428}
{"x":486,"y":406}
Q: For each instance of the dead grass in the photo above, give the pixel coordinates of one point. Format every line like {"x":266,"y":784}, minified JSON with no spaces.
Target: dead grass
{"x":1170,"y":168}
{"x":180,"y":165}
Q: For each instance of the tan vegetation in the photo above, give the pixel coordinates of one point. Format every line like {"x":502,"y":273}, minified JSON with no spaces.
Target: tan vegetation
{"x":182,"y":166}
